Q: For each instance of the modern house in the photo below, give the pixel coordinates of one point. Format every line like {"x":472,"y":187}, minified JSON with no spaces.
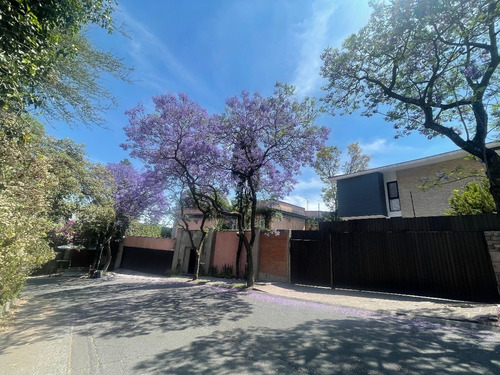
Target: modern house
{"x":396,"y":190}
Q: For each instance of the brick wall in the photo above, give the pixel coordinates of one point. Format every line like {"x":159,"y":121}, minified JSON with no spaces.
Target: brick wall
{"x":273,"y":257}
{"x":434,"y":201}
{"x":493,"y":241}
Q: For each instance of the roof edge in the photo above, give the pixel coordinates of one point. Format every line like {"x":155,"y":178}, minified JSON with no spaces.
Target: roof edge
{"x":450,"y":155}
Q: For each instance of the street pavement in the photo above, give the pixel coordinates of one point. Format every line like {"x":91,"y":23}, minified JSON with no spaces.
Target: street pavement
{"x":130,"y":323}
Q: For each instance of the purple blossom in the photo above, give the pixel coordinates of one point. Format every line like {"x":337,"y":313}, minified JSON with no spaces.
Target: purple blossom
{"x":136,"y":195}
{"x":472,"y":71}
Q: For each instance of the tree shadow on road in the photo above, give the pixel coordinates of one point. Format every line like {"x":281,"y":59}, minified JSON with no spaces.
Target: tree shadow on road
{"x":119,"y":309}
{"x":346,"y":346}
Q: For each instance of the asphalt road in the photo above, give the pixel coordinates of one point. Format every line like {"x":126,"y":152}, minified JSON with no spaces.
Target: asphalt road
{"x":136,"y":325}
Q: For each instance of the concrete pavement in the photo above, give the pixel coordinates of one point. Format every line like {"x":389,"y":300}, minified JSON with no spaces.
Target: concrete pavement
{"x":129,"y":322}
{"x":381,"y":303}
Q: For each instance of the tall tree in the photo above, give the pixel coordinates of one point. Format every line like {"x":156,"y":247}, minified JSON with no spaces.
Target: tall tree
{"x":127,"y":195}
{"x":356,"y":160}
{"x":176,"y":145}
{"x":432,"y":64}
{"x":26,"y":183}
{"x":254,"y":150}
{"x":265,"y":142}
{"x":327,"y":165}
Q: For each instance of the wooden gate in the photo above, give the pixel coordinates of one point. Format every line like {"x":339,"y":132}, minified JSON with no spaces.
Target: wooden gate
{"x":441,"y":264}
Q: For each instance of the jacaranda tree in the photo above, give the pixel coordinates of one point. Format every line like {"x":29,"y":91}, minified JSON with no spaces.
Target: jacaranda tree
{"x":252,"y":151}
{"x":117,"y":195}
{"x":264,"y":142}
{"x":431,"y":66}
{"x":176,"y":145}
{"x":136,"y":196}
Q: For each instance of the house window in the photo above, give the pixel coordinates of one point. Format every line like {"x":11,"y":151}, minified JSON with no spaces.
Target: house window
{"x":393,"y":194}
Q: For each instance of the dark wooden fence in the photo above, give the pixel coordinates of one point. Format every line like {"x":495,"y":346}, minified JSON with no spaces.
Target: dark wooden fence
{"x":435,"y":256}
{"x":157,"y":262}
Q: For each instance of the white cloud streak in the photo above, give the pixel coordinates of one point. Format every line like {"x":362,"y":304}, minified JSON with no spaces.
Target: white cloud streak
{"x":382,"y":146}
{"x":313,"y":40}
{"x":155,"y":64}
{"x":307,"y":194}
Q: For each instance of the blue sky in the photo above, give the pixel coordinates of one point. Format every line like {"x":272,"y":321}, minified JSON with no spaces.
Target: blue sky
{"x":213,"y":50}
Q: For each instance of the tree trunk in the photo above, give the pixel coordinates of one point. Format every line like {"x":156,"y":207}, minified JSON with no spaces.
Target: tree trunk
{"x":197,"y":252}
{"x":492,"y":164}
{"x":248,"y":247}
{"x":250,"y":276}
{"x":197,"y":258}
{"x":98,"y":255}
{"x":238,"y":257}
{"x":108,"y":256}
{"x":196,"y":264}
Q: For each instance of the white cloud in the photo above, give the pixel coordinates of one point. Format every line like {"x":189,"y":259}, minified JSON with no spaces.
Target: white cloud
{"x":378,"y":145}
{"x":382,"y":146}
{"x":307,"y":194}
{"x":153,"y":59}
{"x":308,"y":204}
{"x":313,"y":183}
{"x":313,"y":40}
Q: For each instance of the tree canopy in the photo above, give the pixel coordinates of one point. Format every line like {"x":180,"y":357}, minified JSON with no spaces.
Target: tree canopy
{"x":428,"y":65}
{"x":46,"y":63}
{"x":25,"y":188}
{"x":176,"y":146}
{"x":252,"y":151}
{"x":265,"y":141}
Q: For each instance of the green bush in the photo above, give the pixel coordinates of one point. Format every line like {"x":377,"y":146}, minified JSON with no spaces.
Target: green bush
{"x":227,"y":272}
{"x":25,"y":185}
{"x":213,"y":271}
{"x":475,"y":199}
{"x":148,"y":230}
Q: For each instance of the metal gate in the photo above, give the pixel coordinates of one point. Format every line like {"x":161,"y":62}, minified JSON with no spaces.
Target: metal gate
{"x":309,"y":259}
{"x":157,"y":262}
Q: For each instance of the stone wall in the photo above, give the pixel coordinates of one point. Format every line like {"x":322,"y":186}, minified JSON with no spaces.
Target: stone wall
{"x":493,"y":241}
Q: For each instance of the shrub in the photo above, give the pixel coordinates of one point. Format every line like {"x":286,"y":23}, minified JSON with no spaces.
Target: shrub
{"x":213,"y":271}
{"x":475,"y":199}
{"x":227,"y":272}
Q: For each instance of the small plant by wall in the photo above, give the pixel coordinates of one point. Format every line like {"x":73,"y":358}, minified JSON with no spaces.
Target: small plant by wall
{"x":227,"y":272}
{"x":213,"y":271}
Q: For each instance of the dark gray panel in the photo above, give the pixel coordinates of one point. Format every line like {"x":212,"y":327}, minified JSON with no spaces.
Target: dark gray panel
{"x":362,"y":195}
